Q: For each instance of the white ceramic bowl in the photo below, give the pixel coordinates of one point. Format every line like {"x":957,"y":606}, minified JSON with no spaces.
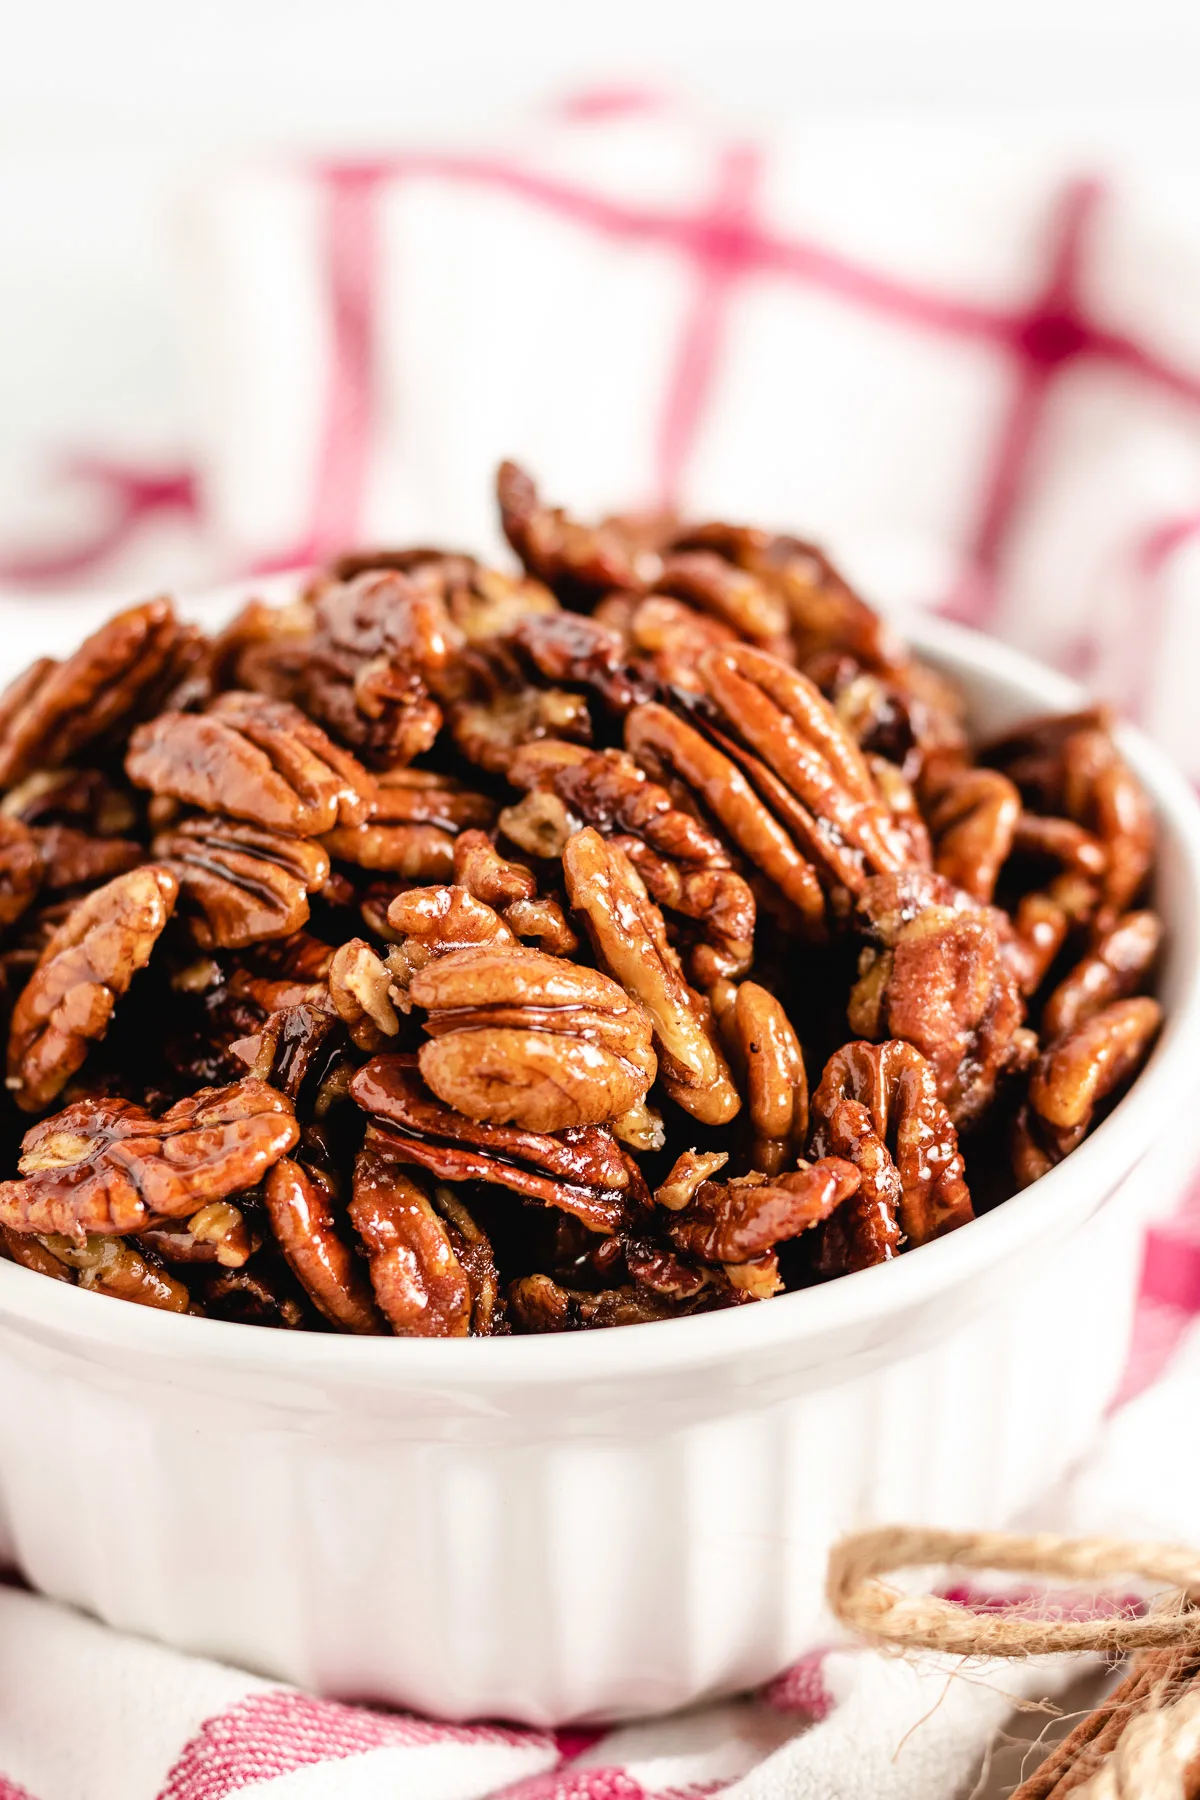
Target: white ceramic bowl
{"x":605,"y":1524}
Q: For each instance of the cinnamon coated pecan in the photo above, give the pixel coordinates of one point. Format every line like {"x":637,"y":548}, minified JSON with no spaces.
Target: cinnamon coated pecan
{"x":255,"y":759}
{"x":84,"y":969}
{"x":1116,"y":966}
{"x":107,"y":1166}
{"x":877,"y":1107}
{"x":521,"y":1038}
{"x":627,"y":931}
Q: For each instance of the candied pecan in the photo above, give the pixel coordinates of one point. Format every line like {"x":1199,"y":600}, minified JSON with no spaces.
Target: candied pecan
{"x":575,"y":560}
{"x":218,"y":1233}
{"x":87,"y":964}
{"x":1070,"y":766}
{"x":106,"y":1166}
{"x":261,"y":649}
{"x":766,"y":1053}
{"x":910,"y":831}
{"x":298,"y":1206}
{"x":32,"y":1253}
{"x":1093,"y":1057}
{"x":825,"y":612}
{"x":687,"y":1173}
{"x":297,"y":1044}
{"x":1039,"y":931}
{"x":738,"y":1220}
{"x":417,"y":815}
{"x":972,"y":817}
{"x":570,"y":649}
{"x":941,"y":980}
{"x":789,"y":740}
{"x":238,"y":883}
{"x":490,"y":731}
{"x":420,"y":1281}
{"x":54,"y":708}
{"x":684,"y":866}
{"x":483,"y":603}
{"x":908,"y":714}
{"x":537,"y":1303}
{"x":490,"y":877}
{"x":257,"y":1295}
{"x":877,"y":1107}
{"x":1115,"y":967}
{"x":666,"y":745}
{"x":21,"y":869}
{"x":735,"y":596}
{"x":435,"y":921}
{"x":381,"y":643}
{"x":522,"y":1038}
{"x":109,"y":1265}
{"x":580,"y":1170}
{"x":627,"y":932}
{"x":83,"y":798}
{"x":255,"y":759}
{"x":360,"y":990}
{"x":664,"y":639}
{"x":73,"y":859}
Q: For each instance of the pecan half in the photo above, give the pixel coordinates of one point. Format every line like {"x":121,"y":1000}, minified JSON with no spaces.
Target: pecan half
{"x":412,"y":833}
{"x":972,"y":816}
{"x":107,"y":1167}
{"x":20,"y":869}
{"x":255,"y":759}
{"x":668,"y":747}
{"x":684,"y":865}
{"x":381,"y":645}
{"x":109,"y":1265}
{"x":877,"y":1107}
{"x":1073,"y":1079}
{"x":490,"y":731}
{"x":523,"y":1038}
{"x":54,"y":708}
{"x":419,"y":1278}
{"x":766,"y":1053}
{"x":238,"y":883}
{"x":575,"y":560}
{"x":782,"y":731}
{"x":738,"y":1220}
{"x":298,"y":1206}
{"x":941,"y":980}
{"x":1070,"y":767}
{"x":571,"y":650}
{"x":73,"y":859}
{"x":1115,"y":967}
{"x":84,"y":969}
{"x":580,"y":1170}
{"x":627,"y":931}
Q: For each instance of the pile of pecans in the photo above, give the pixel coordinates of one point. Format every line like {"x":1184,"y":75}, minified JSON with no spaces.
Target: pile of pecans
{"x":447,"y":952}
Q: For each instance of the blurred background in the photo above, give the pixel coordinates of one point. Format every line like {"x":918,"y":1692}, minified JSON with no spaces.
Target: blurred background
{"x":921,"y":282}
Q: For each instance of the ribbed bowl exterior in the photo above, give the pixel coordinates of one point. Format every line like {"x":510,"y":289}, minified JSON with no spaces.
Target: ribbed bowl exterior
{"x":527,"y":1565}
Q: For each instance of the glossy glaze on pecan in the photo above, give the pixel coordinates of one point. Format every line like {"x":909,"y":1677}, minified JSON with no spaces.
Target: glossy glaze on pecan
{"x":521,"y":1038}
{"x":240,"y":884}
{"x":83,"y":971}
{"x":255,"y":759}
{"x":107,"y":1166}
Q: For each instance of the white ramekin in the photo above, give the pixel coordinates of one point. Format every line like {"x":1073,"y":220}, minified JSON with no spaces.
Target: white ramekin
{"x":611,"y":1523}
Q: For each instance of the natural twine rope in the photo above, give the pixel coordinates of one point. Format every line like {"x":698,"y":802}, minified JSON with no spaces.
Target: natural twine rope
{"x":925,"y":1622}
{"x":1159,"y":1744}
